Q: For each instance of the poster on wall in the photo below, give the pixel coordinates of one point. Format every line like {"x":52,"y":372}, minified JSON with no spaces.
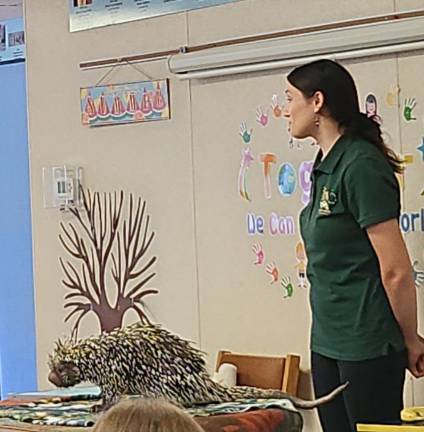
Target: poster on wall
{"x":125,"y":103}
{"x":12,"y":40}
{"x":87,"y":14}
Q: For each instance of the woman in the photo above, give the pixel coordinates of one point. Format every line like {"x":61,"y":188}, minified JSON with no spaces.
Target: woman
{"x":363,"y":299}
{"x":145,"y":415}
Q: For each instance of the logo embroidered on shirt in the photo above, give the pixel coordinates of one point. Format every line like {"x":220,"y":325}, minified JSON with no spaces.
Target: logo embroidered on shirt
{"x":327,"y":201}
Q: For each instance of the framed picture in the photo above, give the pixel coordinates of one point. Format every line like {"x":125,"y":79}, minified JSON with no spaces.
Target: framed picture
{"x":125,"y":103}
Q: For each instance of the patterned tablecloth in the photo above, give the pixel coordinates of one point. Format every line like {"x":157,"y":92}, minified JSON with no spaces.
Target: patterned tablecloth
{"x":74,"y":413}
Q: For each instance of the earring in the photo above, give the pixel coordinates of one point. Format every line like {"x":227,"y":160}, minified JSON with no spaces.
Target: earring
{"x":316,"y":121}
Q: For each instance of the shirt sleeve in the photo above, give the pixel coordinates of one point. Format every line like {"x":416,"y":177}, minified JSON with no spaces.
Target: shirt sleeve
{"x":372,"y":191}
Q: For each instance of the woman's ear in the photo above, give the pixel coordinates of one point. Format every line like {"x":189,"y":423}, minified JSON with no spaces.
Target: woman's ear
{"x":318,"y":101}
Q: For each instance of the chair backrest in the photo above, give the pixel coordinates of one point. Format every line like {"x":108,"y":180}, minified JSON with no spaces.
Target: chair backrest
{"x":265,"y":372}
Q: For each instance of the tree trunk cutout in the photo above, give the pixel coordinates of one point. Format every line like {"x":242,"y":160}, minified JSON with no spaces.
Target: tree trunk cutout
{"x":107,"y":244}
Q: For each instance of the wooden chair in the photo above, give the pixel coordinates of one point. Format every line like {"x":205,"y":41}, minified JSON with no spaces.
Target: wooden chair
{"x":265,"y":372}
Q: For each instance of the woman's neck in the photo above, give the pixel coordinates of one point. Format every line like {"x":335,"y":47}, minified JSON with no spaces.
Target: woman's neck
{"x":327,"y":135}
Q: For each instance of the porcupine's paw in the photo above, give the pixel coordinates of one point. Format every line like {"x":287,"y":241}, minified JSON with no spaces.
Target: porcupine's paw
{"x":97,"y":408}
{"x":102,"y":407}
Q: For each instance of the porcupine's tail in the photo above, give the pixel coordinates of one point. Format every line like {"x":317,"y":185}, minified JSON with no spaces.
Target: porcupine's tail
{"x":238,"y":393}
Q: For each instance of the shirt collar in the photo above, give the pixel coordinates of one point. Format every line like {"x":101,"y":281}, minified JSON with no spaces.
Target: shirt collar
{"x":329,"y":164}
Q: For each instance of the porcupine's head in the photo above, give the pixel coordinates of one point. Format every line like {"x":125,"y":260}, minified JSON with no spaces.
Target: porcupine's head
{"x":63,"y":364}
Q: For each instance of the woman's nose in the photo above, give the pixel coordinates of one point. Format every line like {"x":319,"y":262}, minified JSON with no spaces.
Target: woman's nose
{"x":286,"y":113}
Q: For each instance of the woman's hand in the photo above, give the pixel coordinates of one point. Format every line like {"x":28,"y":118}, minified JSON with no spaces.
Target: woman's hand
{"x":416,"y":356}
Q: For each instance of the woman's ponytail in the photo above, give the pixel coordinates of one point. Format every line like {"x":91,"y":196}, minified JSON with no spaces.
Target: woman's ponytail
{"x":364,"y":127}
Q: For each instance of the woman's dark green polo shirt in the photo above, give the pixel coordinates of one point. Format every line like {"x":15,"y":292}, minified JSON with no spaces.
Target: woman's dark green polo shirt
{"x":352,"y":188}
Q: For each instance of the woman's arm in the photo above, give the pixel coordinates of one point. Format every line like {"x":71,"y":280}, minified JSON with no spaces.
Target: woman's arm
{"x":397,"y":277}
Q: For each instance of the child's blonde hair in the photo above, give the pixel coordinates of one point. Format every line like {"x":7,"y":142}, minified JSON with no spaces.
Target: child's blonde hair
{"x":146,"y":415}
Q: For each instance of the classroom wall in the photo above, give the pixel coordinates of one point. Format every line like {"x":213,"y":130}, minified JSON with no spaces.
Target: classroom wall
{"x":17,"y":336}
{"x":187,"y":169}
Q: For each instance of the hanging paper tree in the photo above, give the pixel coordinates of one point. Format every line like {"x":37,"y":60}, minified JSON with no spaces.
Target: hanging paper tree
{"x":158,"y":100}
{"x":146,"y":104}
{"x":90,"y":108}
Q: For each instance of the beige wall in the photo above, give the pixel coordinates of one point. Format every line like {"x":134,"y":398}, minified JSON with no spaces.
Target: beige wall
{"x":186,"y":168}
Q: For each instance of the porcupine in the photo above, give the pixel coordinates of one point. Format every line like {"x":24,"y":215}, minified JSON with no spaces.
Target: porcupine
{"x":149,"y":361}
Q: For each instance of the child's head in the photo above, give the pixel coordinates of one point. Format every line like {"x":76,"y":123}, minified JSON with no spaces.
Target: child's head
{"x":146,"y":415}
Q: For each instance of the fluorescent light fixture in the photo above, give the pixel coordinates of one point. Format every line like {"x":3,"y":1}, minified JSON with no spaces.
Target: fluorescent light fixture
{"x":349,"y":42}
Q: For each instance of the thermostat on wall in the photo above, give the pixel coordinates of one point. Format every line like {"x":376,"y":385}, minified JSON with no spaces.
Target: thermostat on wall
{"x":61,"y":186}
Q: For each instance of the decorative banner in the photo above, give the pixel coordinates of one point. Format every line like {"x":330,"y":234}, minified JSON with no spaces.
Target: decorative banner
{"x":125,"y":103}
{"x":12,"y":40}
{"x":87,"y":14}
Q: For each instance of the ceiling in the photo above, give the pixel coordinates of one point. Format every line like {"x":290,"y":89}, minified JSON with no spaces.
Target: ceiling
{"x":10,"y":9}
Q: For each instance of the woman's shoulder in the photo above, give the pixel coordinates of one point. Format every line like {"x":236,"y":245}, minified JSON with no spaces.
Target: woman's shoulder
{"x":361,"y":151}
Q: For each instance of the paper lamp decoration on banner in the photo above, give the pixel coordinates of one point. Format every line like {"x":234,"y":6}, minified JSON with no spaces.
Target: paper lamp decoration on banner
{"x":125,"y":103}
